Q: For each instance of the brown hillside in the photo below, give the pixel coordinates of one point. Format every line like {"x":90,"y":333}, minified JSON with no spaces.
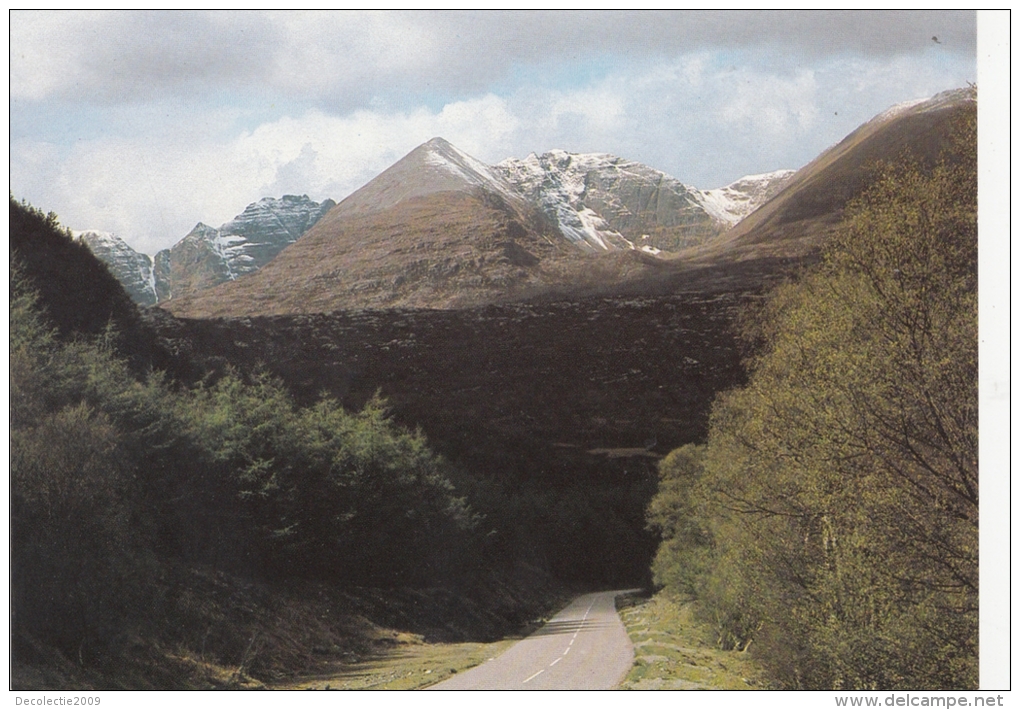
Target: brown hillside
{"x":446,"y":249}
{"x":795,"y":222}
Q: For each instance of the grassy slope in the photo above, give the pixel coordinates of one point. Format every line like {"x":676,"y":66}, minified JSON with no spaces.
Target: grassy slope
{"x":229,"y":632}
{"x":410,"y":662}
{"x":673,"y":650}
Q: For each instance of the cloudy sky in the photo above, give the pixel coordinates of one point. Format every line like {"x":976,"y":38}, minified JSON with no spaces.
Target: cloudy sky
{"x":146,"y":123}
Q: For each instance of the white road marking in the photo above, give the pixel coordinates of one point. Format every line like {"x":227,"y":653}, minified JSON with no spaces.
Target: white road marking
{"x":574,"y":637}
{"x":586,"y":657}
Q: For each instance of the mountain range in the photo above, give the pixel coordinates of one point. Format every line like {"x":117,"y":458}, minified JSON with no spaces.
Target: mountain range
{"x":440,"y":229}
{"x":597,"y":202}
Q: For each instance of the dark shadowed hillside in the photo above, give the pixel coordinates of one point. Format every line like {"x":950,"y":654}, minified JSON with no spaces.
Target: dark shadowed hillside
{"x":566,"y":404}
{"x":219,"y":535}
{"x":78,"y":293}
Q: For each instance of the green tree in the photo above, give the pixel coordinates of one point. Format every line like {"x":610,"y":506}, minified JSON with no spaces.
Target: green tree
{"x":329,"y":494}
{"x":675,"y":514}
{"x":844,"y":491}
{"x":76,"y":563}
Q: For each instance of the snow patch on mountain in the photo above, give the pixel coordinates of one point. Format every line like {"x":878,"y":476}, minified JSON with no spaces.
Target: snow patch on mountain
{"x":557,"y":182}
{"x":135,"y":270}
{"x":734,"y":202}
{"x":230,"y":248}
{"x":442,"y":154}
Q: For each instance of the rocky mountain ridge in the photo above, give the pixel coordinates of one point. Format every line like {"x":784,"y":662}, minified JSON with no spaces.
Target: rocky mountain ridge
{"x":602,"y":202}
{"x":208,"y":256}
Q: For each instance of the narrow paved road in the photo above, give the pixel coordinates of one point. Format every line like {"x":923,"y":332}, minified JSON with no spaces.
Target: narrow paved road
{"x":584,"y":647}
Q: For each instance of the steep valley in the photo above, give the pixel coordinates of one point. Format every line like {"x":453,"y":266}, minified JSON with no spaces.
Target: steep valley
{"x":546,"y":339}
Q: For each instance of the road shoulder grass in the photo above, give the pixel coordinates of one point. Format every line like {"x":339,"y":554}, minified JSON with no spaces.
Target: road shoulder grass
{"x":673,"y":650}
{"x":411,"y":664}
{"x":407,"y":661}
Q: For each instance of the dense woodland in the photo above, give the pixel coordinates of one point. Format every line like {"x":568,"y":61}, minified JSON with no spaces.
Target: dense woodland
{"x":829,"y":525}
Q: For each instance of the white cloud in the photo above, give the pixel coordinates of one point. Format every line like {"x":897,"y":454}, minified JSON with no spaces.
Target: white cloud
{"x":770,"y":105}
{"x":346,"y":58}
{"x":322,"y":51}
{"x":152,"y":168}
{"x":152,"y":189}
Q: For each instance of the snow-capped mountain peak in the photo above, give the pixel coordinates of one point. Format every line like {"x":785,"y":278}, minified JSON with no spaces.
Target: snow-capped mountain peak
{"x":433,"y":167}
{"x":440,"y":153}
{"x":242,"y":245}
{"x":929,"y":103}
